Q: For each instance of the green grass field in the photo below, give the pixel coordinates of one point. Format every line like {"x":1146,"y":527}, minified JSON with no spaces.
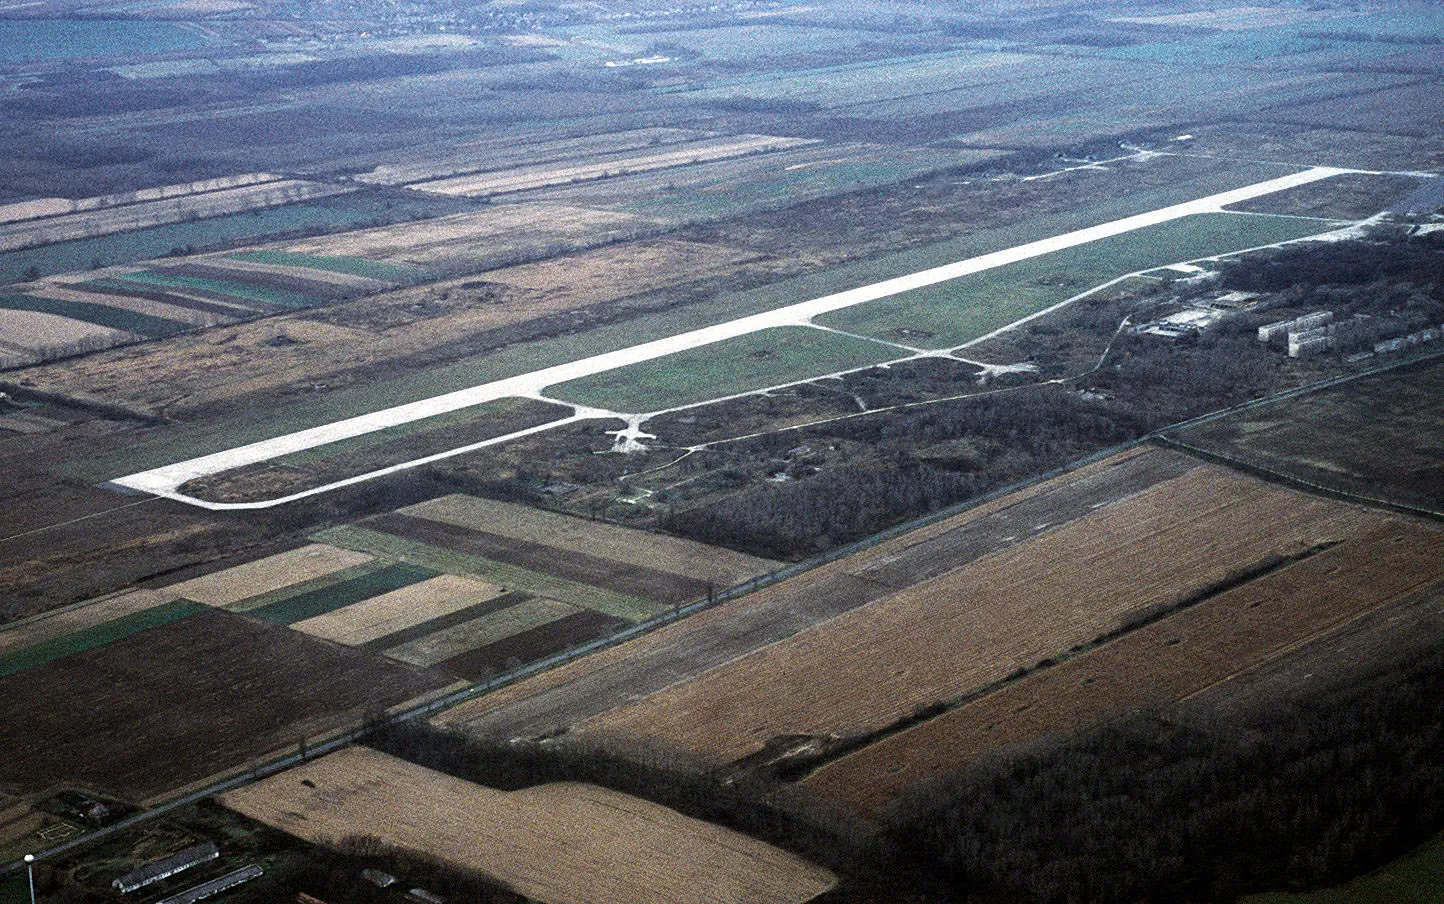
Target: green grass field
{"x":521,"y":412}
{"x":98,"y":314}
{"x":963,"y":309}
{"x":343,"y":593}
{"x":352,"y":266}
{"x":97,"y":636}
{"x":233,"y":289}
{"x":1415,"y":878}
{"x":509,"y":576}
{"x":767,"y":358}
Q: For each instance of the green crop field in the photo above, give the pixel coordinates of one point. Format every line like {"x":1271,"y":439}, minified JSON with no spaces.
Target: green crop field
{"x":98,"y":314}
{"x":97,"y":636}
{"x":766,"y":358}
{"x":352,"y":266}
{"x":343,"y":593}
{"x":951,"y":313}
{"x":1415,"y":878}
{"x":233,"y":289}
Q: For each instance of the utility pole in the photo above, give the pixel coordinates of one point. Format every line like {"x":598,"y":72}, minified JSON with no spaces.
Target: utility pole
{"x":30,"y":871}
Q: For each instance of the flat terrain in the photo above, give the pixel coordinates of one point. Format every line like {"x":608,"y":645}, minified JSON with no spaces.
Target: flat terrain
{"x":940,"y":638}
{"x":1169,"y":660}
{"x":1376,"y":436}
{"x":201,"y":695}
{"x":563,"y":843}
{"x":609,"y":678}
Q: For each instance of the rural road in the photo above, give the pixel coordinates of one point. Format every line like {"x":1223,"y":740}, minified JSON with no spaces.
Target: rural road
{"x":167,"y":480}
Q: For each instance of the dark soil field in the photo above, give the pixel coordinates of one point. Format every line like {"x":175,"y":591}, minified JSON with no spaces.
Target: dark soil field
{"x":171,"y":706}
{"x":633,"y":580}
{"x":531,"y":645}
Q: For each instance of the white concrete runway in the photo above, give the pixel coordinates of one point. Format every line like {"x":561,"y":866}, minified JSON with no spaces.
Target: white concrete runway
{"x":165,"y":481}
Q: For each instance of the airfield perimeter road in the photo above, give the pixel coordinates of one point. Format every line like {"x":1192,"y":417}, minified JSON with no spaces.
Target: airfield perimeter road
{"x":166,"y":481}
{"x":611,"y":678}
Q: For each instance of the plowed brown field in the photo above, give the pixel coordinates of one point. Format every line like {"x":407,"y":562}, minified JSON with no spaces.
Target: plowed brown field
{"x":563,"y":843}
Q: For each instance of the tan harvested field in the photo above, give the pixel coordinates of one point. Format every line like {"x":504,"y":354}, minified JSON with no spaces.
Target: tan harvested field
{"x":108,"y":220}
{"x":1385,"y":560}
{"x":479,"y":632}
{"x":526,"y":178}
{"x":499,"y":153}
{"x":48,"y":207}
{"x":130,"y":303}
{"x":37,"y":331}
{"x":512,"y":229}
{"x":230,"y":586}
{"x":611,"y":678}
{"x":565,"y":533}
{"x":615,"y":272}
{"x":944,"y":637}
{"x":564,"y":843}
{"x":388,"y":613}
{"x":79,"y":617}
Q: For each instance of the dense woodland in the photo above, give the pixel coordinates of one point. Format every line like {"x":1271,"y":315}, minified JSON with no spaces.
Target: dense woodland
{"x":1159,"y":806}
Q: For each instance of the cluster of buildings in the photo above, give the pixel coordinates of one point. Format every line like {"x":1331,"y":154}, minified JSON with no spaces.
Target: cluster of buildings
{"x":1318,"y":332}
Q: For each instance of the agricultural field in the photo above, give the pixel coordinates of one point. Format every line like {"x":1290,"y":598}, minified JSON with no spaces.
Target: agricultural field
{"x":106,"y":219}
{"x":589,"y":168}
{"x":428,"y":162}
{"x":614,"y":847}
{"x":1375,"y":436}
{"x":509,"y":234}
{"x":941,"y":638}
{"x":1380,"y":562}
{"x":607,"y":679}
{"x":185,"y":696}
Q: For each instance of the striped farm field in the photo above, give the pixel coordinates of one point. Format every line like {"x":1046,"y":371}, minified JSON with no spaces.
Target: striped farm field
{"x":232,"y":585}
{"x":480,"y":632}
{"x":385,"y":615}
{"x":339,"y":594}
{"x":582,"y":170}
{"x":532,"y":644}
{"x":83,"y":616}
{"x":601,"y":540}
{"x":103,"y":315}
{"x":660,"y":587}
{"x":53,"y":648}
{"x":338,"y":264}
{"x":1168,"y":660}
{"x":147,"y":304}
{"x":949,"y":635}
{"x":32,"y":334}
{"x":453,"y":561}
{"x":564,"y":843}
